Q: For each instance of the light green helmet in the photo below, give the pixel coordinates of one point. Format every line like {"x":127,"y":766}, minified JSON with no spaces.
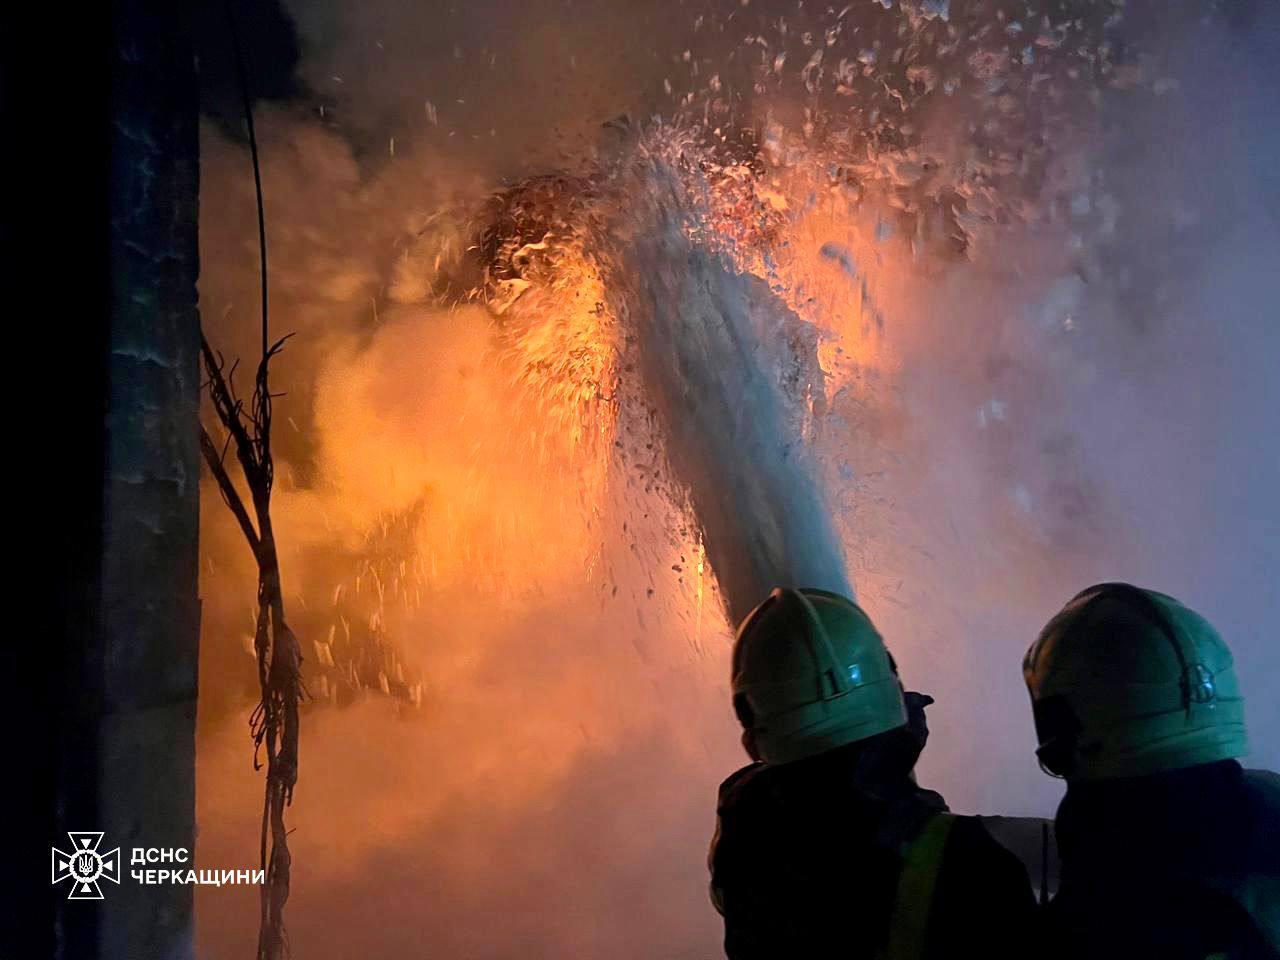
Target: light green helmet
{"x":811,"y":673}
{"x":1126,"y":682}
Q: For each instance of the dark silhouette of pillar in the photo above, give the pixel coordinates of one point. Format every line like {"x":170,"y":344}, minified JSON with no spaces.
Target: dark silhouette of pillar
{"x":100,"y":262}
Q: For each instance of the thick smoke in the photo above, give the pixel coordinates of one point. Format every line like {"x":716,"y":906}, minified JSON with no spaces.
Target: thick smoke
{"x":1098,"y":410}
{"x":1079,"y":396}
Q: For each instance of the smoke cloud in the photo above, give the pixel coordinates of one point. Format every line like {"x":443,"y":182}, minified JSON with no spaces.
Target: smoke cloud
{"x":1085,"y":391}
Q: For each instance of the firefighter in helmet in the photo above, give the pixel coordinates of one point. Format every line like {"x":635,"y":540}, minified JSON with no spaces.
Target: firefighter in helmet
{"x":1169,"y":848}
{"x":825,"y":846}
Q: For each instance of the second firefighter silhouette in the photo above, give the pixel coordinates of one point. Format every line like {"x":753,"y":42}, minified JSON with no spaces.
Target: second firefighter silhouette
{"x":825,"y":845}
{"x":1170,"y":848}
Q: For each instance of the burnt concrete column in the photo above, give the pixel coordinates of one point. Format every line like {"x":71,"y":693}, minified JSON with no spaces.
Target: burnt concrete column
{"x":145,"y":666}
{"x":98,"y":225}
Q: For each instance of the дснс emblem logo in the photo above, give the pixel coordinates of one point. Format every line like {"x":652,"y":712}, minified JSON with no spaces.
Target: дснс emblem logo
{"x":85,"y":866}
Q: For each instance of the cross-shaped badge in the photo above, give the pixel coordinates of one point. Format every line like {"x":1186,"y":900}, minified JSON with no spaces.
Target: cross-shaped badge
{"x":85,"y":866}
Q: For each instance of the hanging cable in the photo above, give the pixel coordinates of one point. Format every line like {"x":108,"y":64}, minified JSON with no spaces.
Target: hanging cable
{"x":243,"y":74}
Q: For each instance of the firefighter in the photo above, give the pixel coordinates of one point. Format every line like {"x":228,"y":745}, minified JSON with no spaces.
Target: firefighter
{"x":825,"y":846}
{"x":1169,"y":848}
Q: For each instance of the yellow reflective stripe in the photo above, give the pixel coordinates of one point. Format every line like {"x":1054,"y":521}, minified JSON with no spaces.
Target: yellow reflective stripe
{"x":916,"y":885}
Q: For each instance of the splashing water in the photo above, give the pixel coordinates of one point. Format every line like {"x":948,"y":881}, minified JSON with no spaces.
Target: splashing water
{"x":723,"y":359}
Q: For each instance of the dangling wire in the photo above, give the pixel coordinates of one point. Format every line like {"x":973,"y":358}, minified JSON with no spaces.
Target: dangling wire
{"x":247,"y":102}
{"x":274,"y":723}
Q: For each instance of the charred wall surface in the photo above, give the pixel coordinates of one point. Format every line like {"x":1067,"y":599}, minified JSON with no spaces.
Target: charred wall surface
{"x":149,"y":614}
{"x":100,"y":233}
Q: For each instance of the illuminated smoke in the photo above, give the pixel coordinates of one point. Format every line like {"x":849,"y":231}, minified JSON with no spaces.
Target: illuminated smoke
{"x":1011,"y":372}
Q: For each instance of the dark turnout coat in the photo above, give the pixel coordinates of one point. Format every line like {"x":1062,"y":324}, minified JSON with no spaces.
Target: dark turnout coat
{"x":807,"y":859}
{"x":1182,"y":865}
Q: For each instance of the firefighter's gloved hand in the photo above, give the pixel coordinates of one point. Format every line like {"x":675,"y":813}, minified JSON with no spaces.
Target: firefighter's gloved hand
{"x":917,"y":723}
{"x":886,"y":761}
